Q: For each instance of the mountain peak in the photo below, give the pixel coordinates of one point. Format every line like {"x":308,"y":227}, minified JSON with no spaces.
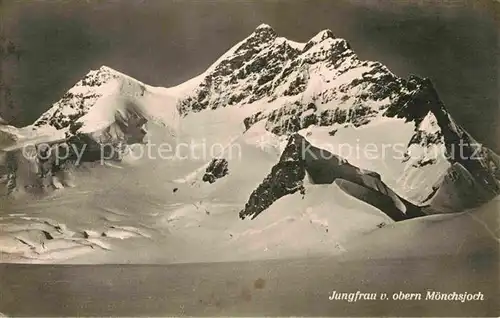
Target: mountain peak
{"x":328,"y":41}
{"x":264,"y":32}
{"x":105,"y":68}
{"x":103,"y":82}
{"x":109,"y":70}
{"x":323,"y":35}
{"x":264,"y":26}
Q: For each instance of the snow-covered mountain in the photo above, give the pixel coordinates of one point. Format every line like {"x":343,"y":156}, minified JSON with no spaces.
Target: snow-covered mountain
{"x":311,"y":122}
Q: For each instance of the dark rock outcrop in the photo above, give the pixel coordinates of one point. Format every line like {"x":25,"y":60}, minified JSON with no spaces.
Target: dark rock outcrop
{"x":293,"y":117}
{"x":218,"y":168}
{"x":286,"y":177}
{"x":323,"y":167}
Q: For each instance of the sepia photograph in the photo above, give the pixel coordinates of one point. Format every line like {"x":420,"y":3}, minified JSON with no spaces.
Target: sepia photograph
{"x":249,"y":158}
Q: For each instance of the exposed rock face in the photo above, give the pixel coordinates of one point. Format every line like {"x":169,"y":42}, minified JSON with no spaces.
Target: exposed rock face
{"x":286,"y":177}
{"x":218,"y":168}
{"x":323,"y":167}
{"x":10,"y":172}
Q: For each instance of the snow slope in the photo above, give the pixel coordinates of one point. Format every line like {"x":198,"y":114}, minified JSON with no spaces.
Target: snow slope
{"x":474,"y":233}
